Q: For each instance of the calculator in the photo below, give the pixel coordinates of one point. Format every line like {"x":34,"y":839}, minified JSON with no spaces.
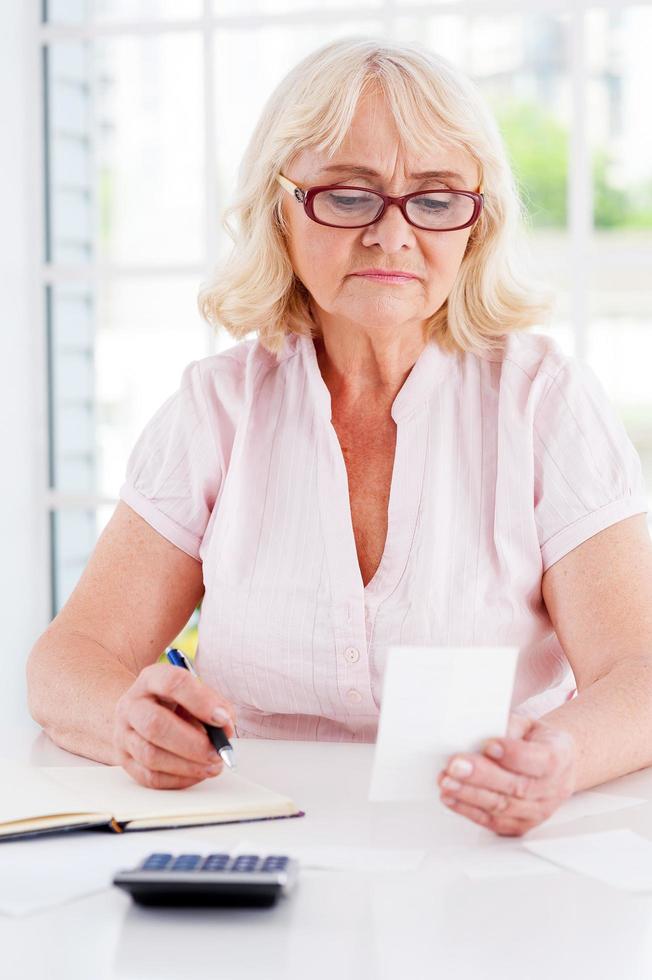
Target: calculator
{"x":209,"y":879}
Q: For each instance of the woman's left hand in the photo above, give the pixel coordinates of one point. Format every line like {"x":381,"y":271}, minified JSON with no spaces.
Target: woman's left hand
{"x":515,"y":790}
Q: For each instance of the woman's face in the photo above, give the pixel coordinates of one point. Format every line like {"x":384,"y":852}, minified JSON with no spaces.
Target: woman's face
{"x":326,"y":259}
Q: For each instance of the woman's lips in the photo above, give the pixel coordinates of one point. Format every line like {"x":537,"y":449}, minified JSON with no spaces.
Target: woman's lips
{"x":384,"y":278}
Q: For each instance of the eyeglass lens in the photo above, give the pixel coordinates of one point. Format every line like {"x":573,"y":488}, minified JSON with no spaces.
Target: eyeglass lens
{"x":438,"y":210}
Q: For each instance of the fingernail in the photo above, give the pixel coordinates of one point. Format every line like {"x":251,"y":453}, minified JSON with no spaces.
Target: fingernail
{"x":448,"y":800}
{"x":461,"y":767}
{"x":449,"y":783}
{"x":213,"y":770}
{"x":495,"y":750}
{"x":220,"y":716}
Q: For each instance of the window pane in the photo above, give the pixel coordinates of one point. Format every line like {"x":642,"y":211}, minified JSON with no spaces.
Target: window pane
{"x":102,"y":11}
{"x":620,"y":124}
{"x":125,"y":176}
{"x":116,"y":357}
{"x":620,"y":133}
{"x":74,"y":533}
{"x":620,"y":352}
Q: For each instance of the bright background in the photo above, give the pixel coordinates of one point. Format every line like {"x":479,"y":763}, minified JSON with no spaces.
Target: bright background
{"x":123,"y":127}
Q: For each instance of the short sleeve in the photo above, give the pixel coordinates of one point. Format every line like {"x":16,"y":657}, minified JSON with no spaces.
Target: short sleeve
{"x":587,"y":472}
{"x":173,"y":473}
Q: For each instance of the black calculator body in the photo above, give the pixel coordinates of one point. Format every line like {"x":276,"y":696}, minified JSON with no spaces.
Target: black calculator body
{"x":209,"y":880}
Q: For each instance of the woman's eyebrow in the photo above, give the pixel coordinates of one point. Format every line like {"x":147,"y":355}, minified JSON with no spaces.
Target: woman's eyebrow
{"x":367,"y":172}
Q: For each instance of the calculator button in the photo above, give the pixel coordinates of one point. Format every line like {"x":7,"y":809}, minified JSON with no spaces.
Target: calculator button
{"x":245,"y":862}
{"x":157,"y":862}
{"x":274,"y":863}
{"x":186,"y":862}
{"x":216,"y":862}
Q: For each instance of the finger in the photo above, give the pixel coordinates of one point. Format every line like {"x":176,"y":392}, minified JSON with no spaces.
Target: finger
{"x":512,"y":828}
{"x":175,"y":684}
{"x":156,"y":780}
{"x":185,"y":715}
{"x":472,"y":812}
{"x":475,"y":769}
{"x":160,"y":726}
{"x":519,"y":725}
{"x":153,"y":757}
{"x":529,"y":758}
{"x":509,"y":827}
{"x":495,"y":804}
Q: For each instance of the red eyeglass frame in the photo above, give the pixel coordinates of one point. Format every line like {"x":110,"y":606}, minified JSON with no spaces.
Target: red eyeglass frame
{"x":306,"y":197}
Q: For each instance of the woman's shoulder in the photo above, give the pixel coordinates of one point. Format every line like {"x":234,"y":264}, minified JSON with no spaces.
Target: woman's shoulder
{"x":525,"y":366}
{"x":530,"y":354}
{"x":231,"y":376}
{"x":245,"y":358}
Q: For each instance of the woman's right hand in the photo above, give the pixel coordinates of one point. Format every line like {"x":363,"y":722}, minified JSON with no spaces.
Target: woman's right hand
{"x":158,"y":732}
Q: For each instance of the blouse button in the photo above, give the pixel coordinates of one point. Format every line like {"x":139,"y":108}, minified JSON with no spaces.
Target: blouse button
{"x":354,"y":696}
{"x":352,"y":655}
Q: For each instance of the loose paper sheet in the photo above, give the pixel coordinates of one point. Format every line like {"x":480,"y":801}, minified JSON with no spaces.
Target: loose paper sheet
{"x":505,"y":859}
{"x":437,"y":701}
{"x":45,"y":871}
{"x":340,"y":858}
{"x":588,"y":803}
{"x":505,"y":863}
{"x":620,"y":858}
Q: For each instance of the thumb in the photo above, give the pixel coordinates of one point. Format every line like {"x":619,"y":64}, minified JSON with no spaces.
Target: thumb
{"x":518,"y":726}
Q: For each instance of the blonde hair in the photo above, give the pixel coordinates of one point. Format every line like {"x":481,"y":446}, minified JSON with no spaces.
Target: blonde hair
{"x":255,"y":288}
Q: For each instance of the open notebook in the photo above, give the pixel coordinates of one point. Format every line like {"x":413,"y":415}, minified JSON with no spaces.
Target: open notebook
{"x":36,"y":800}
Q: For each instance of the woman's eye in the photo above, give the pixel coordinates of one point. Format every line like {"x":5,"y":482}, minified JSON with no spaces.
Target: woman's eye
{"x":432,"y":203}
{"x":347,"y":200}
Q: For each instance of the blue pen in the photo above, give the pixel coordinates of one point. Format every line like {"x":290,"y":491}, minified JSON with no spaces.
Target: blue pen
{"x":216,"y":735}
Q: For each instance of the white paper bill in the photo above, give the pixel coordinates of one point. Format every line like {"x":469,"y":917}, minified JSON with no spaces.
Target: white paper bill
{"x":620,"y":858}
{"x":437,"y":701}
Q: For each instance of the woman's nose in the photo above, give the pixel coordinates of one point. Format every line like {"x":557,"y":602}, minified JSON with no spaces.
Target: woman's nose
{"x":391,"y":230}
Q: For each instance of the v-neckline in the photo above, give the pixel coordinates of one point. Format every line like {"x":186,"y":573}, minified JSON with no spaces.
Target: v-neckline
{"x":405,"y":487}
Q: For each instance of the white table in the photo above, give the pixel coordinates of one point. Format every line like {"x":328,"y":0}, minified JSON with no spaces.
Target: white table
{"x":434,"y":922}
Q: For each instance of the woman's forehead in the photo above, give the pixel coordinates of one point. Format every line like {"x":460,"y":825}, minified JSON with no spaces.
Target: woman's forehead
{"x":381,"y":162}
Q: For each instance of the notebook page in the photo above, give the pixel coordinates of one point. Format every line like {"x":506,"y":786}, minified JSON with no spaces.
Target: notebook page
{"x":111,"y":789}
{"x":30,"y":791}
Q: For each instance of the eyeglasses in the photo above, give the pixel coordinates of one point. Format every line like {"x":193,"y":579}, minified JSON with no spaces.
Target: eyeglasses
{"x":342,"y":206}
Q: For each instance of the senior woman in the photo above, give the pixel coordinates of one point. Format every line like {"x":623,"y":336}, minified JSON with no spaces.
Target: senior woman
{"x":392,"y":458}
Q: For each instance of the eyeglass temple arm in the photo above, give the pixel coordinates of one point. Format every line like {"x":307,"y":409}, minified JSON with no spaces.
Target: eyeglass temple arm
{"x":291,"y":187}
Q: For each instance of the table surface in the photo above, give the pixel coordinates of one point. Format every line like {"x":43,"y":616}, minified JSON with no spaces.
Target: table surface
{"x":371,"y":925}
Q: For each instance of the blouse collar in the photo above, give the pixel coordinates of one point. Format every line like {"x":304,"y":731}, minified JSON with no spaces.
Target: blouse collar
{"x":431,"y":366}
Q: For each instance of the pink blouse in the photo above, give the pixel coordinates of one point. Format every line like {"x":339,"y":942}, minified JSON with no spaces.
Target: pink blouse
{"x":504,"y":463}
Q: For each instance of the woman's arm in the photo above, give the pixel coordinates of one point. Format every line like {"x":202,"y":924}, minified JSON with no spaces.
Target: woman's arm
{"x":74,"y":684}
{"x":134,"y":596}
{"x":599,"y":598}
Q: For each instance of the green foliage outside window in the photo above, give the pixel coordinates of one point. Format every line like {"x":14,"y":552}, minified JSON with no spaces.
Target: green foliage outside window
{"x":538,"y":147}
